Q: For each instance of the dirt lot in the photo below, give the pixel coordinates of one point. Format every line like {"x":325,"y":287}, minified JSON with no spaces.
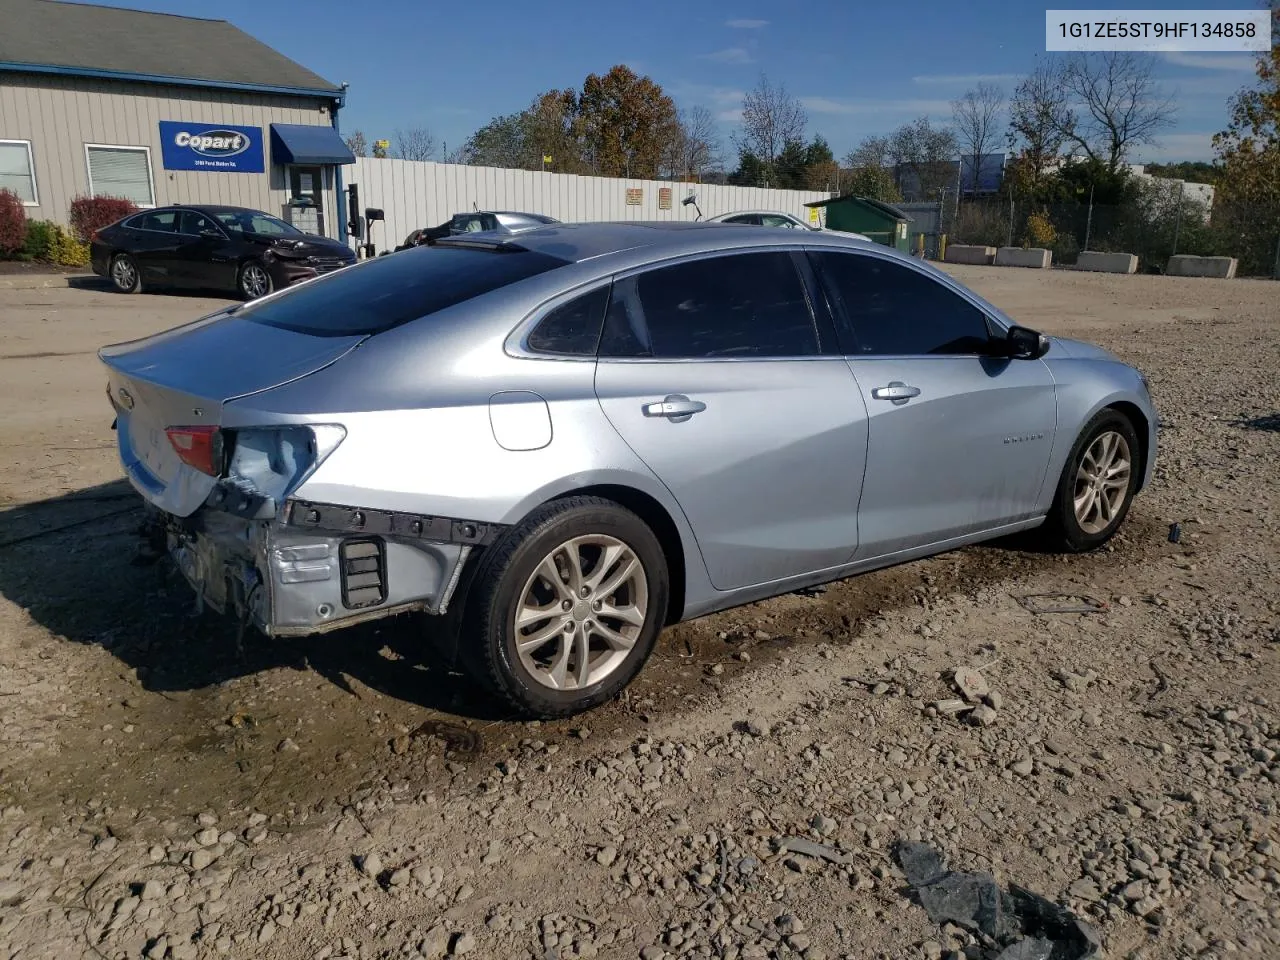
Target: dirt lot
{"x":161,"y":796}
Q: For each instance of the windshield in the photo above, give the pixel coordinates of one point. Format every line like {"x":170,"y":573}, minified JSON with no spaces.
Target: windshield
{"x":383,"y":293}
{"x":241,"y":222}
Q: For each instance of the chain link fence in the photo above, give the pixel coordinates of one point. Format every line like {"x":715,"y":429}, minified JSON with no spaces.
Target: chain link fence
{"x":1160,"y":223}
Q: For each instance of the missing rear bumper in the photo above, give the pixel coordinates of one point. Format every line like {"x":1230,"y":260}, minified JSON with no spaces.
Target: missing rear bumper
{"x":288,"y":581}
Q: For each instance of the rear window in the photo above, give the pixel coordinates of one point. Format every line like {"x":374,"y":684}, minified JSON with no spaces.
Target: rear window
{"x":395,"y":289}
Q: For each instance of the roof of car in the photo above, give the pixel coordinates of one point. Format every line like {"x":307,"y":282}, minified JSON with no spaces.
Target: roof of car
{"x":577,"y":242}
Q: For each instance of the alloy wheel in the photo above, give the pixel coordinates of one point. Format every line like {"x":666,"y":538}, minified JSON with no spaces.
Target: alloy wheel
{"x":124,"y":273}
{"x":1102,"y":481}
{"x":254,"y":281}
{"x":581,"y":612}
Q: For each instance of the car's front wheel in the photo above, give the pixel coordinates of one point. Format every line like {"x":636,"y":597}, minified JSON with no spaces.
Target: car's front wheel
{"x":253,"y":280}
{"x":124,"y":273}
{"x":1097,"y":485}
{"x":566,"y":608}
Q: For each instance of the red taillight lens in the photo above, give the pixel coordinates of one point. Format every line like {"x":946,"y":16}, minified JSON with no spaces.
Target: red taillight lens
{"x":199,"y":447}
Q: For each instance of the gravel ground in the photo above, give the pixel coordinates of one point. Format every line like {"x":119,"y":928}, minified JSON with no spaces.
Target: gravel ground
{"x":162,"y":797}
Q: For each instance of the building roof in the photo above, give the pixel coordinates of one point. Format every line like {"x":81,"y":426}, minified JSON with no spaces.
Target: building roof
{"x":888,"y":209}
{"x":52,"y":36}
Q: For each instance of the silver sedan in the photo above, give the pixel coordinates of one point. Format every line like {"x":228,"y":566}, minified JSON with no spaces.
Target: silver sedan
{"x":563,"y":441}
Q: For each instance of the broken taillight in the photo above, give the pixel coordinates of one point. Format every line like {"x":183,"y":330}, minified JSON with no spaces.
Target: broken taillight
{"x":199,"y":447}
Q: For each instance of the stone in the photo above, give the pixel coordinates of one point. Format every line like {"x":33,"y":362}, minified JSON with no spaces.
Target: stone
{"x":435,"y":944}
{"x":207,"y":837}
{"x":400,"y":745}
{"x":982,"y":716}
{"x":371,"y":864}
{"x":971,"y":683}
{"x":201,"y":859}
{"x":994,"y":700}
{"x":287,"y":746}
{"x":464,"y":945}
{"x":1023,"y":767}
{"x":1085,"y":889}
{"x":10,"y":892}
{"x":652,"y":952}
{"x":606,"y":856}
{"x":152,"y":890}
{"x":757,"y":727}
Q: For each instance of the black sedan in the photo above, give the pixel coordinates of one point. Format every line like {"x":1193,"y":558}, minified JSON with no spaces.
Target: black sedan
{"x":208,"y":247}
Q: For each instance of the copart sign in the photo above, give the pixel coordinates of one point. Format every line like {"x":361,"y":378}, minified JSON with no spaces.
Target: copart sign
{"x":215,"y":148}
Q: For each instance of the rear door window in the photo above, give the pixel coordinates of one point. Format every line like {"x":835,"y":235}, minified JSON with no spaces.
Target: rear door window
{"x":161,"y":221}
{"x":740,"y":305}
{"x":388,"y":291}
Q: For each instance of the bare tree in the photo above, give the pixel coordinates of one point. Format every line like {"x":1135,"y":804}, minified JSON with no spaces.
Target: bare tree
{"x":416,"y":143}
{"x":695,"y":146}
{"x":977,"y":125}
{"x":357,"y":144}
{"x":1038,"y":113}
{"x":872,"y":152}
{"x":924,"y":155}
{"x":1121,"y":105}
{"x":771,"y":117}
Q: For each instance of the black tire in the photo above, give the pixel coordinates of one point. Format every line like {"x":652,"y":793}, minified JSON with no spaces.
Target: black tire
{"x":1063,"y":530}
{"x":252,"y":273}
{"x":488,"y":640}
{"x":124,"y":273}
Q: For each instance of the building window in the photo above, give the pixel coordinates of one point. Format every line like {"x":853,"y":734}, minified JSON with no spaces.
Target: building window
{"x":120,"y":172}
{"x":17,"y":172}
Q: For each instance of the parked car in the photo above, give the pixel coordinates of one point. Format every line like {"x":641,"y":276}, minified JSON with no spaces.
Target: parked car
{"x":773,"y":218}
{"x":504,"y":221}
{"x":562,"y":442}
{"x":211,"y":247}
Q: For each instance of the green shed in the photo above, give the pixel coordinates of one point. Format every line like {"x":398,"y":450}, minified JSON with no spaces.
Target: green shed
{"x":881,"y":222}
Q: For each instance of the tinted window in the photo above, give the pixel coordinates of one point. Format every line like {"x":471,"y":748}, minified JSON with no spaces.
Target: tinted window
{"x":745,"y":305}
{"x":385,"y":292}
{"x":166,"y":221}
{"x":895,"y":310}
{"x":749,"y":218}
{"x":192,"y":223}
{"x":572,"y":328}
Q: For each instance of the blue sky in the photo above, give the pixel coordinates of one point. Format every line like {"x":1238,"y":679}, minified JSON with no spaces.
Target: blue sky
{"x":859,"y":67}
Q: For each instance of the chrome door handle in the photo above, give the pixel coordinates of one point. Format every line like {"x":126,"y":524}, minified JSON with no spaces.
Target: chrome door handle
{"x":896,"y":391}
{"x":676,"y":407}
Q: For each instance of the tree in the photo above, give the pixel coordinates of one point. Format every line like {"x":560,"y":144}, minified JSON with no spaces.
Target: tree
{"x":1247,"y":201}
{"x":357,"y":144}
{"x":1038,"y":113}
{"x":751,"y":172}
{"x":1192,"y":171}
{"x":870,"y":172}
{"x":416,"y":143}
{"x":550,"y":123}
{"x":626,"y":123}
{"x":695,"y":148}
{"x":821,"y":172}
{"x":924,"y":156}
{"x":977,"y":116}
{"x":499,"y":143}
{"x":771,"y":118}
{"x":1120,"y":105}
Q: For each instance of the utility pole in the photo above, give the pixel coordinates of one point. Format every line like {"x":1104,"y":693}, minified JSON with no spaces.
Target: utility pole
{"x":1275,"y":270}
{"x":1010,"y":243}
{"x":1177,"y":223}
{"x":1088,"y":223}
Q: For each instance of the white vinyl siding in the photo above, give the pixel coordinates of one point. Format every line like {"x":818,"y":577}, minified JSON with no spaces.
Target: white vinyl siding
{"x":120,"y":172}
{"x":17,"y":172}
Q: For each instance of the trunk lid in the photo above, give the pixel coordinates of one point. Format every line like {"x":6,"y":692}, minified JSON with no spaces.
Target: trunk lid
{"x":183,"y":377}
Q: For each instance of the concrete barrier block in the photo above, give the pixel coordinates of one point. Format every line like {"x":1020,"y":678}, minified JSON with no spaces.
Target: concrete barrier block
{"x":1186,"y":265}
{"x":1038,"y":258}
{"x":960,"y":253}
{"x":1107,"y":262}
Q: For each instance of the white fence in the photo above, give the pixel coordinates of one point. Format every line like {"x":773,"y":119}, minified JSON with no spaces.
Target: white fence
{"x":416,"y":194}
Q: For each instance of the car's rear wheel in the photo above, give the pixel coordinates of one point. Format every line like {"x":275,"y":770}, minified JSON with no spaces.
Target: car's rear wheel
{"x":253,"y":280}
{"x":566,"y":607}
{"x":125,"y":276}
{"x":1097,"y":485}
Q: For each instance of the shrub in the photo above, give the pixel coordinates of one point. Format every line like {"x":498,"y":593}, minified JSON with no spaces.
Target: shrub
{"x":1040,"y":230}
{"x":93,"y":213}
{"x":13,"y":223}
{"x":66,"y":250}
{"x":39,"y":240}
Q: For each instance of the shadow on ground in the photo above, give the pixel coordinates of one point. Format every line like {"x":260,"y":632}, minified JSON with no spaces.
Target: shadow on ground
{"x":1269,"y":423}
{"x":69,"y":562}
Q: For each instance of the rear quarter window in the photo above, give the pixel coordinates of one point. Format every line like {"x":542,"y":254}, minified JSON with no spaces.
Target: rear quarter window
{"x":376,"y":296}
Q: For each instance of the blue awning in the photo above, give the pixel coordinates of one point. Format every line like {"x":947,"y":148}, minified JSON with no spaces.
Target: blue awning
{"x":304,"y":143}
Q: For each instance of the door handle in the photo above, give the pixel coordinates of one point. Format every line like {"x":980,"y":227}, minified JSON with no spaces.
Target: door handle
{"x":676,"y":407}
{"x":897,"y":392}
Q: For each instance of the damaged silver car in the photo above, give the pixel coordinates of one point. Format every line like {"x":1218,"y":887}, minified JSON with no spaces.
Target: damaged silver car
{"x":563,"y":441}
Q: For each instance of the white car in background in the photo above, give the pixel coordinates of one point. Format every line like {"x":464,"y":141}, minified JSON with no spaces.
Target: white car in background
{"x":770,"y":218}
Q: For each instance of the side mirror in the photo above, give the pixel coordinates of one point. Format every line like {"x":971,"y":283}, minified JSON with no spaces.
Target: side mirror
{"x":1025,"y":344}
